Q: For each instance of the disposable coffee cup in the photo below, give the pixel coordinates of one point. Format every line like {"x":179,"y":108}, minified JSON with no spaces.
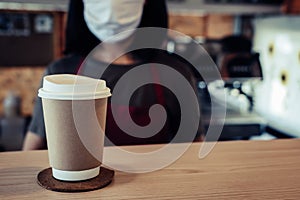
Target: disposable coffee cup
{"x":74,"y":110}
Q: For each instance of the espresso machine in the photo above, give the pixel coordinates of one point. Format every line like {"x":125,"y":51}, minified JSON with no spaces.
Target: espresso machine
{"x":277,"y":40}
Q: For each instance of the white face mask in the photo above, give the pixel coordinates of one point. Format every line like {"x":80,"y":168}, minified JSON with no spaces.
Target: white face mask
{"x":106,"y":18}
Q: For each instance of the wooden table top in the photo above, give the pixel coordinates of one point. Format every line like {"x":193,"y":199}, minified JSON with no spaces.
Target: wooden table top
{"x":233,"y":170}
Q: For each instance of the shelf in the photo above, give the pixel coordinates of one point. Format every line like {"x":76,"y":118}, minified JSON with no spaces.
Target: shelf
{"x":199,"y":7}
{"x":191,"y":7}
{"x":34,"y":5}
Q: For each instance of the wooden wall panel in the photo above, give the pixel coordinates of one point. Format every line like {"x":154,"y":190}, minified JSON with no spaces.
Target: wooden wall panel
{"x":219,"y":26}
{"x":208,"y":26}
{"x":60,"y":20}
{"x":22,"y":80}
{"x":188,"y":24}
{"x":291,"y":7}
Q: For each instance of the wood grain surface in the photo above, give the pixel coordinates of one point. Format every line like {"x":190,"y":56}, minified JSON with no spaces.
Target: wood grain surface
{"x":233,"y":170}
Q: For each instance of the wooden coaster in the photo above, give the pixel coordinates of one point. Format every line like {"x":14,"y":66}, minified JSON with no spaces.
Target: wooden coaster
{"x":46,"y":180}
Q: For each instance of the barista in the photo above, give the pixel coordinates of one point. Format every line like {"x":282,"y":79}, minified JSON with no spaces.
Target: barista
{"x":90,"y":22}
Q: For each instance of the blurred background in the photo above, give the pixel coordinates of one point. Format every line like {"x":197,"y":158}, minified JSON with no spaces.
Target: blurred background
{"x":255,"y":44}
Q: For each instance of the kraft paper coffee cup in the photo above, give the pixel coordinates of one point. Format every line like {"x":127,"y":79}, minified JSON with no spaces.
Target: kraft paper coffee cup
{"x":69,"y":100}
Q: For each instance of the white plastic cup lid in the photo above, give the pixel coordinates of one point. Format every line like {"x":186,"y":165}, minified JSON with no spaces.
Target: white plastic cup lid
{"x":73,"y":87}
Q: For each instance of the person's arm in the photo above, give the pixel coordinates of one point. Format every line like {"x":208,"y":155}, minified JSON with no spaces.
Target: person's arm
{"x":35,"y":137}
{"x":33,"y":141}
